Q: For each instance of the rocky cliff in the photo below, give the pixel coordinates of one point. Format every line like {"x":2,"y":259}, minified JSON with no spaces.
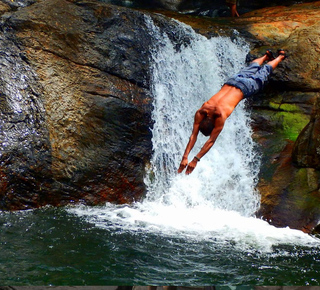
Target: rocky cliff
{"x":92,"y":93}
{"x":76,"y":124}
{"x":289,"y":180}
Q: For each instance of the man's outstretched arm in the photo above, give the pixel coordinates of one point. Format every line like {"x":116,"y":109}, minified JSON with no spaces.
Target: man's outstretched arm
{"x":192,"y":140}
{"x":219,"y":123}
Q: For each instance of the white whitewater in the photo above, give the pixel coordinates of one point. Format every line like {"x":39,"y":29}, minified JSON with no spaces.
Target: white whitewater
{"x":182,"y":81}
{"x":218,"y":200}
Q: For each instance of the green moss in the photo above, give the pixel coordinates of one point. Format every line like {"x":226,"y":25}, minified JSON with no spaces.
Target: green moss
{"x":284,"y":107}
{"x":274,"y":105}
{"x":292,"y":124}
{"x":289,"y":108}
{"x":299,"y":182}
{"x":290,"y":119}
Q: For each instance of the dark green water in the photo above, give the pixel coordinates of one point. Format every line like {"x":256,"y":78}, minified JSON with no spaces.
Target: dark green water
{"x":54,"y":247}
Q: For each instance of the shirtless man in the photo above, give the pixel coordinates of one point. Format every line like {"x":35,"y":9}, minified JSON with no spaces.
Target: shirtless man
{"x":210,"y":118}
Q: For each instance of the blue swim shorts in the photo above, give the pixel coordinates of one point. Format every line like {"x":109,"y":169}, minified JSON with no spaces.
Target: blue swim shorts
{"x":251,"y":79}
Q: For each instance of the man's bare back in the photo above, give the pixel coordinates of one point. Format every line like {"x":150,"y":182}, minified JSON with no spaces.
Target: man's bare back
{"x":224,"y":101}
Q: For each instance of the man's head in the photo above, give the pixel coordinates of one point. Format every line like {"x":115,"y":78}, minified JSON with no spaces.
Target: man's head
{"x":206,"y":126}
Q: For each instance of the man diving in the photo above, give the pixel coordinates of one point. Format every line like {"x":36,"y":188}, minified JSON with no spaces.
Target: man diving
{"x":210,"y":118}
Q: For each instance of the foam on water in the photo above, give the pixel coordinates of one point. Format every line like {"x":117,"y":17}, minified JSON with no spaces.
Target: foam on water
{"x":218,"y":200}
{"x":198,"y":223}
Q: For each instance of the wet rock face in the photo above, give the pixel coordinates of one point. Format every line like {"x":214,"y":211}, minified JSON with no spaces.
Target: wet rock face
{"x":25,"y":148}
{"x":306,"y":152}
{"x":75,"y":105}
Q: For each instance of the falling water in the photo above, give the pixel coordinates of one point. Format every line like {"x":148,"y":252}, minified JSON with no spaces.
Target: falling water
{"x":218,"y":200}
{"x":182,"y":81}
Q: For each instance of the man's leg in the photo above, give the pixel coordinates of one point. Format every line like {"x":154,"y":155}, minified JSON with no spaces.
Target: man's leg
{"x":233,"y":8}
{"x":262,"y":59}
{"x":261,"y":77}
{"x":254,"y":66}
{"x":255,"y":76}
{"x":263,"y":72}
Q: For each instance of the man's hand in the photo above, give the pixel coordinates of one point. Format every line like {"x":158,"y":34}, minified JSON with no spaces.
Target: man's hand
{"x":192,"y":165}
{"x":183,"y":164}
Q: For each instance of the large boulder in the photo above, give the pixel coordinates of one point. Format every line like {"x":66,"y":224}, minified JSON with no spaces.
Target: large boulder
{"x":92,"y":69}
{"x":24,"y":141}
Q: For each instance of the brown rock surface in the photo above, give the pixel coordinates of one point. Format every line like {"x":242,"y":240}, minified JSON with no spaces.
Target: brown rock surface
{"x":93,"y":73}
{"x":290,"y":190}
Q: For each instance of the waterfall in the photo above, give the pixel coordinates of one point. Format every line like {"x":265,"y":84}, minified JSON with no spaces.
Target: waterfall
{"x":217,"y":201}
{"x":182,"y":81}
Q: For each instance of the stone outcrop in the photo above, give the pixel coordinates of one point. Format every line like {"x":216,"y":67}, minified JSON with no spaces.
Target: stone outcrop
{"x":306,"y":151}
{"x":289,"y":179}
{"x":92,"y":69}
{"x":217,"y":8}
